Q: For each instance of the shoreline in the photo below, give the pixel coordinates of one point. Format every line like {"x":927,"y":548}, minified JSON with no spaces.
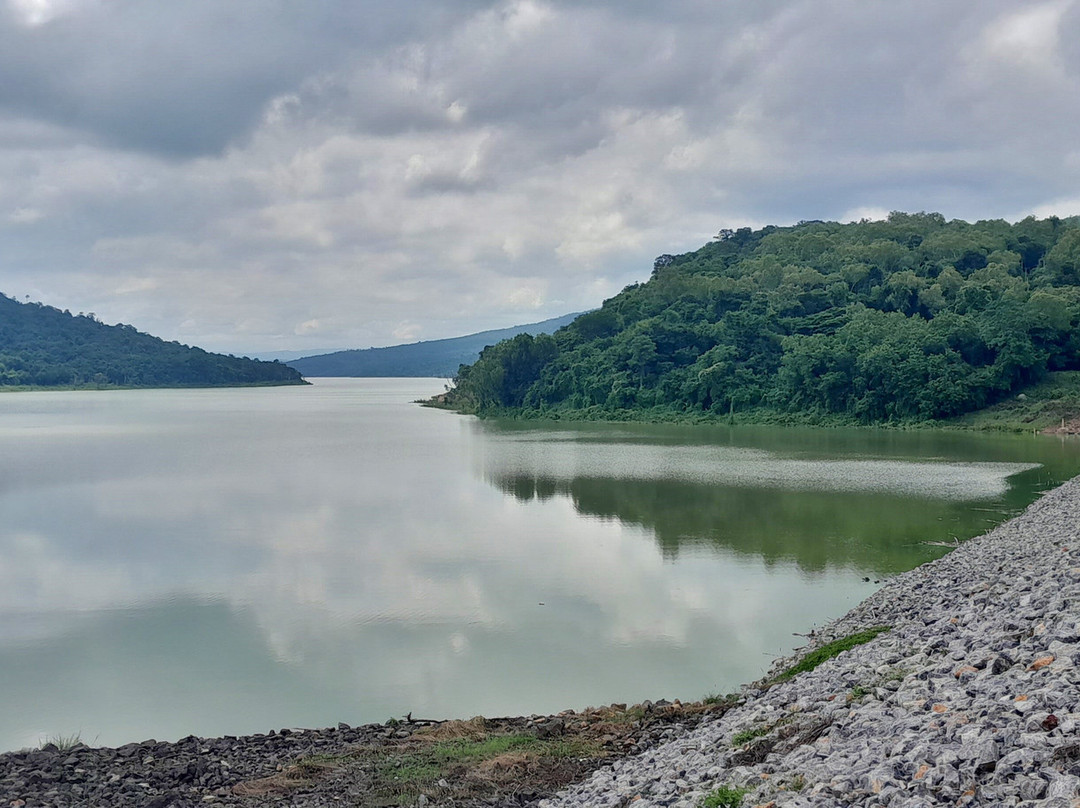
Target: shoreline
{"x":971,"y":698}
{"x":322,"y":767}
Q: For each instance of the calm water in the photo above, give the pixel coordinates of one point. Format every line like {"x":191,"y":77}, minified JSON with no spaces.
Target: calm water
{"x":230,"y":561}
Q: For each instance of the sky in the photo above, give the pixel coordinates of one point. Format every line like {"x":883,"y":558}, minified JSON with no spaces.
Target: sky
{"x":254,"y":176}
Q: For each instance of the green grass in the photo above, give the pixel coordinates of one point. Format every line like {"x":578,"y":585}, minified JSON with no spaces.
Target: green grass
{"x":427,"y":764}
{"x":745,"y":736}
{"x":723,"y":797}
{"x":416,"y":770}
{"x":828,"y":651}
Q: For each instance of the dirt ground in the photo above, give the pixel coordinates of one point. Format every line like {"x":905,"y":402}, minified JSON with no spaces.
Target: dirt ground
{"x":1068,"y":426}
{"x":479,"y":762}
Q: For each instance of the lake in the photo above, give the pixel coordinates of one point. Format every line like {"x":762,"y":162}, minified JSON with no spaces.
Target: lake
{"x":212,"y":562}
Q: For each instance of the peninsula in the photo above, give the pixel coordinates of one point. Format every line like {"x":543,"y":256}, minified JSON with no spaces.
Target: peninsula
{"x":915,"y":319}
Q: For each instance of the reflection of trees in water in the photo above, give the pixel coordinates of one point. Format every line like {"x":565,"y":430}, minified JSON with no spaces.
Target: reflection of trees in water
{"x":815,"y":529}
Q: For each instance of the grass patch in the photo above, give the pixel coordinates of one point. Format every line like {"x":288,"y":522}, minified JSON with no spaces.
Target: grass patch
{"x":406,"y":774}
{"x":427,"y":765}
{"x":723,"y":797}
{"x":828,"y":651}
{"x":745,"y":736}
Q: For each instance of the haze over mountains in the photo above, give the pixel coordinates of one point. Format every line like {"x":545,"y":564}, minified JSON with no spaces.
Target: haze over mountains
{"x":439,"y":358}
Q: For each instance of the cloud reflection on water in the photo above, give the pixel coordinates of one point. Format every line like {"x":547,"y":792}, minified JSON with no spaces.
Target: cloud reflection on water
{"x":242,"y":560}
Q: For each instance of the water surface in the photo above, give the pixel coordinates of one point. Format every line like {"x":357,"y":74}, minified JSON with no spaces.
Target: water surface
{"x":230,"y":561}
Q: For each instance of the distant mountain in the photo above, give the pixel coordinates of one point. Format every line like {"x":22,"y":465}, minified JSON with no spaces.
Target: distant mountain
{"x":287,"y":356}
{"x":42,"y":346}
{"x":438,"y":358}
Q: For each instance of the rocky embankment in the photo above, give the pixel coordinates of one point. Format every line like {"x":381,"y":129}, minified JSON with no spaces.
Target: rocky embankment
{"x":971,"y":698}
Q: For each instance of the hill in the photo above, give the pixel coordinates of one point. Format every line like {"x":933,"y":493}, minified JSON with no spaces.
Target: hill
{"x":41,"y":346}
{"x":439,"y":358}
{"x":911,"y":319}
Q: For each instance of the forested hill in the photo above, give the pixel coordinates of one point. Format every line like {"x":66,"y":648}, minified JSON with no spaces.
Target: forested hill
{"x":912,"y":318}
{"x":43,"y":346}
{"x":439,"y":358}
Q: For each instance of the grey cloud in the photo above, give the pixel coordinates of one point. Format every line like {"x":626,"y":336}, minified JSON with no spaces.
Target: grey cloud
{"x":265,"y":176}
{"x":188,"y":78}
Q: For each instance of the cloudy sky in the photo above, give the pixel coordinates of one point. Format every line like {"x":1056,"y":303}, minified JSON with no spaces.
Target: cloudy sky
{"x":262,"y":175}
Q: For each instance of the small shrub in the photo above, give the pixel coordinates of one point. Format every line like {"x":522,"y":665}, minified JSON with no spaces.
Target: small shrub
{"x":723,"y":797}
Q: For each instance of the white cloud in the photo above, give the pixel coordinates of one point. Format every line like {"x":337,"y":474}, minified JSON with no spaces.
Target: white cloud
{"x":38,"y":12}
{"x":1029,"y":38}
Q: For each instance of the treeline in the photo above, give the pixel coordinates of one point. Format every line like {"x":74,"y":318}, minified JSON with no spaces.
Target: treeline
{"x":44,"y":347}
{"x":912,"y":318}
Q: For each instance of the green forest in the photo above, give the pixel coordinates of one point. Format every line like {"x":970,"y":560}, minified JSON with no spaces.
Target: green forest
{"x":914,"y":318}
{"x":41,"y":346}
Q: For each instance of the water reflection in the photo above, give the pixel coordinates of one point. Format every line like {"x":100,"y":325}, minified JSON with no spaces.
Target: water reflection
{"x":819,"y":498}
{"x":816,"y":530}
{"x":216,"y":562}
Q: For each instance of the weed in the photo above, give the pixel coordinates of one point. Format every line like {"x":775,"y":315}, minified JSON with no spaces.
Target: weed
{"x":828,"y":651}
{"x":63,"y":743}
{"x":628,"y":716}
{"x":892,"y":675}
{"x":310,"y":767}
{"x":745,"y":736}
{"x":728,"y":699}
{"x":797,"y":783}
{"x":723,"y":797}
